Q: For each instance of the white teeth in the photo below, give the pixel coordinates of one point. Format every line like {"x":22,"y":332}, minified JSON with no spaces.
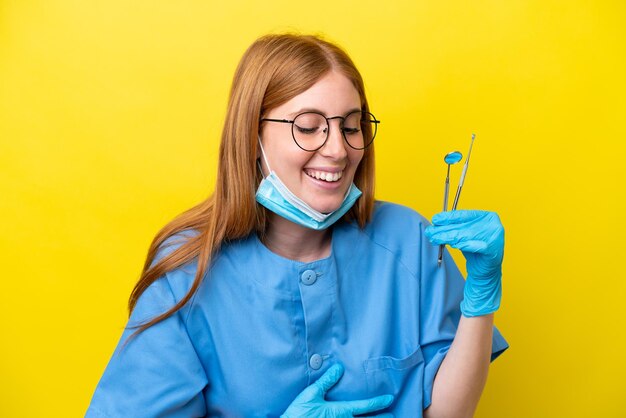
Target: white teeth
{"x":324,"y":175}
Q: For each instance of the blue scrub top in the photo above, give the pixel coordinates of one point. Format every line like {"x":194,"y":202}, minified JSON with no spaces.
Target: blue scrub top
{"x":262,"y":327}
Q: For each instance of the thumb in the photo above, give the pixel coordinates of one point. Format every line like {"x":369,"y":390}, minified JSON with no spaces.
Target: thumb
{"x":330,"y":378}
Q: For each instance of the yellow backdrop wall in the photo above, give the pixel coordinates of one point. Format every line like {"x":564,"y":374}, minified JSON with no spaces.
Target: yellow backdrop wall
{"x":110,"y":114}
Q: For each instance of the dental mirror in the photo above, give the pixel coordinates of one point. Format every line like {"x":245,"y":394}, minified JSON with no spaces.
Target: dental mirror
{"x":453,"y":157}
{"x":450,"y":158}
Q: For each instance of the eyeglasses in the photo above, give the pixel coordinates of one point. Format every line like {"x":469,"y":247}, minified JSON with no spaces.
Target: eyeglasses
{"x":310,"y":129}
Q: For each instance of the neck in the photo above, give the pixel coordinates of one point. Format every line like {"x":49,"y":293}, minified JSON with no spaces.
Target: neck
{"x":296,"y":242}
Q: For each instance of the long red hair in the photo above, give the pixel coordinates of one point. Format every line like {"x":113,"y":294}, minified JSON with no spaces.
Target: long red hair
{"x":274,"y":69}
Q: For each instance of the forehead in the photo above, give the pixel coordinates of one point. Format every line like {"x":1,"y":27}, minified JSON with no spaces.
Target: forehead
{"x":334,"y":94}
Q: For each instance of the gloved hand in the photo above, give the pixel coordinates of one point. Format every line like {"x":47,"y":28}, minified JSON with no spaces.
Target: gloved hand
{"x":480,"y":236}
{"x":310,"y":402}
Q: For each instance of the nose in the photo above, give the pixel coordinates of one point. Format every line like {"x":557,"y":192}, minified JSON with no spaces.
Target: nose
{"x":335,"y":145}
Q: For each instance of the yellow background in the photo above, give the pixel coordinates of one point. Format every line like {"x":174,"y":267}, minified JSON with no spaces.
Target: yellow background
{"x":110,"y":114}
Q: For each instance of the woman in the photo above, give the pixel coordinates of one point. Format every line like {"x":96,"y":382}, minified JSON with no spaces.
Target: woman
{"x":290,"y":291}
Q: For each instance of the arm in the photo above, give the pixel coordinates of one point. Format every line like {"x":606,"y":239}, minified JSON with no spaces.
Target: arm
{"x":463,"y":373}
{"x":156,"y":374}
{"x":462,"y":376}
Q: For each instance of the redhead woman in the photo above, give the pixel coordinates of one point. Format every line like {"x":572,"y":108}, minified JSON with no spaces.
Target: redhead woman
{"x":291,"y":292}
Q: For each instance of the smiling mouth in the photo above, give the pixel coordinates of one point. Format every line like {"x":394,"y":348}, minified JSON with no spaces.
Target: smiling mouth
{"x":324,"y":175}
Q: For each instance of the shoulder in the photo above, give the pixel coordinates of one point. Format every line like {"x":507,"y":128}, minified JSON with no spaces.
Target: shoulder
{"x":392,"y":226}
{"x":394,"y":219}
{"x":178,"y":280}
{"x":394,"y":231}
{"x":399,"y":230}
{"x":172,"y":243}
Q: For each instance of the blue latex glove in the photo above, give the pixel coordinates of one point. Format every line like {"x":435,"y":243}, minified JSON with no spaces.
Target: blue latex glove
{"x":310,"y":402}
{"x":480,"y":236}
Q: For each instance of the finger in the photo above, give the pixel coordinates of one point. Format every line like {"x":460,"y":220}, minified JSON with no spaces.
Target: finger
{"x":486,"y":230}
{"x":458,"y":216}
{"x":329,"y":378}
{"x":451,"y":234}
{"x":432,"y":230}
{"x":364,"y":406}
{"x":384,"y":416}
{"x":460,"y":240}
{"x":471,"y":246}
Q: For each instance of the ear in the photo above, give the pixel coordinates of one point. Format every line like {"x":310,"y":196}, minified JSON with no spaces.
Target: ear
{"x":261,"y":162}
{"x":258,"y":148}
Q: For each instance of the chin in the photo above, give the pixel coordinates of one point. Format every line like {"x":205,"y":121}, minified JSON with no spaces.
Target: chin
{"x":327,"y":208}
{"x":324,"y":203}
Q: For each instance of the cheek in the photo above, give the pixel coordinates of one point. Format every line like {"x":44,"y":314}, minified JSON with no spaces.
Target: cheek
{"x":292,"y":165}
{"x":355,"y":157}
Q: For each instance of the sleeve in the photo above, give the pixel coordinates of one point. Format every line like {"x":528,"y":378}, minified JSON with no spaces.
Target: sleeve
{"x":441,"y":292}
{"x":158,"y":373}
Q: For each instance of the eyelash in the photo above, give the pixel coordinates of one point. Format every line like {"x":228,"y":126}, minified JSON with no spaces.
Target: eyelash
{"x":351,"y":131}
{"x":346,"y":131}
{"x":306,"y":130}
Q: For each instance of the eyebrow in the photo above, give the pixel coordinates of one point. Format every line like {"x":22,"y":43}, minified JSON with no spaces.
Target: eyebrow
{"x":312,"y":109}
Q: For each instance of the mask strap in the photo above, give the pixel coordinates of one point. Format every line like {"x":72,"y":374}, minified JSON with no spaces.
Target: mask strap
{"x":264,"y":159}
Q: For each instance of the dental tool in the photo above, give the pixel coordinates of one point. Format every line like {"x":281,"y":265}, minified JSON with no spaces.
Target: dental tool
{"x":450,"y":159}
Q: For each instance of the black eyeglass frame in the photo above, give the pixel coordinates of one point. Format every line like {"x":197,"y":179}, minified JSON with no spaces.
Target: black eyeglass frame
{"x":373,"y":121}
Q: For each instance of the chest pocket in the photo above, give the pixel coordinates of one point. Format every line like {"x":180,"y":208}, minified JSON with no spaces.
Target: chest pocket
{"x":390,"y":375}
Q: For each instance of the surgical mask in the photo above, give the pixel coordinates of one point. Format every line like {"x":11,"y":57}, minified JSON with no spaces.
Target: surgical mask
{"x":275,"y":196}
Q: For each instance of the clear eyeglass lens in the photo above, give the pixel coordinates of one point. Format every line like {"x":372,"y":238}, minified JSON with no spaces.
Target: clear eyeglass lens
{"x":310,"y":130}
{"x":359,"y":129}
{"x":353,"y":129}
